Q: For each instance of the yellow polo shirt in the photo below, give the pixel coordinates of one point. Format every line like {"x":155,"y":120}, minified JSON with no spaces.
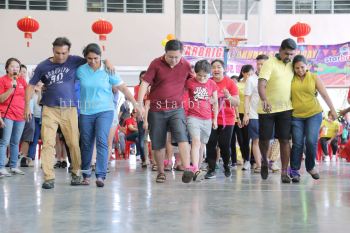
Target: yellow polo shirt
{"x":278,"y":88}
{"x":331,"y":129}
{"x":241,"y":87}
{"x":304,"y":100}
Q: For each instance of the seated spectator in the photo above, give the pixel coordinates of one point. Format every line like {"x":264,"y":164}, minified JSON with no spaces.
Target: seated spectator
{"x":329,"y":135}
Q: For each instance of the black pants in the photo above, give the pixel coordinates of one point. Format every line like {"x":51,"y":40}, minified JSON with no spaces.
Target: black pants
{"x":324,"y":145}
{"x":242,"y":136}
{"x":221,"y":137}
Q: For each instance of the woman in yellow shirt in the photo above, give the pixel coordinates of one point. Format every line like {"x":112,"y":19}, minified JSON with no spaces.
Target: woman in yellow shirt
{"x":307,"y":117}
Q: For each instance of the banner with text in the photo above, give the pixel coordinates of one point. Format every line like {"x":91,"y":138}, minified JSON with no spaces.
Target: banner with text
{"x":330,"y":62}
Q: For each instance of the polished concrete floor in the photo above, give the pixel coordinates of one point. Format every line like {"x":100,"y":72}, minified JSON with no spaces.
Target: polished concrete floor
{"x":131,"y":201}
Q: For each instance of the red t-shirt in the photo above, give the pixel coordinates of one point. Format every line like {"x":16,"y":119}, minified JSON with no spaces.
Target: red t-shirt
{"x":136,"y":91}
{"x":200,"y":95}
{"x":167,"y":84}
{"x":16,"y":110}
{"x":130,"y":121}
{"x":226,"y":114}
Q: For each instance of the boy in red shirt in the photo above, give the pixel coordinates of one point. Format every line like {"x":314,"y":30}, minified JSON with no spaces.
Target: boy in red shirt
{"x":202,"y":113}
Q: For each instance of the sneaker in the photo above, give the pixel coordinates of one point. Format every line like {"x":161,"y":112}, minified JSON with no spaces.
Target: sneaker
{"x":246,"y":166}
{"x":144,"y":165}
{"x":48,"y":184}
{"x":76,"y":180}
{"x":334,"y":158}
{"x":198,"y":176}
{"x":57,"y":165}
{"x":274,"y":167}
{"x":15,"y":170}
{"x":30,"y":162}
{"x":295,"y":175}
{"x":210,"y":175}
{"x":4,"y":172}
{"x":64,"y":164}
{"x":24,"y":162}
{"x":227,"y":172}
{"x":187,"y":176}
{"x":326,"y":158}
{"x":70,"y":168}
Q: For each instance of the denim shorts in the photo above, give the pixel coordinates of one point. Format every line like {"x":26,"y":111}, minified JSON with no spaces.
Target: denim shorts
{"x":160,"y":122}
{"x":199,"y":128}
{"x":253,"y":129}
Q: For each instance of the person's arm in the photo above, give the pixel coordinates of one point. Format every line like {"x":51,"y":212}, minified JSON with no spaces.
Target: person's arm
{"x":2,"y":123}
{"x":145,"y":118}
{"x":262,"y":93}
{"x":29,"y":94}
{"x":109,"y":67}
{"x":247,"y":99}
{"x":215,"y":109}
{"x":323,"y":92}
{"x":141,"y":95}
{"x":131,"y":127}
{"x":124,"y":89}
{"x":6,"y":94}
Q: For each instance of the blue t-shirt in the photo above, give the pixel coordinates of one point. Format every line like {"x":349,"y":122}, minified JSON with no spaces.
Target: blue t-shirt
{"x":96,"y":89}
{"x":58,"y":80}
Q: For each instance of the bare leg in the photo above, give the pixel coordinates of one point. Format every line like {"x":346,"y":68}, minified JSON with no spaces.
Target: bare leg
{"x":110,"y":141}
{"x":24,"y":148}
{"x":184,"y":154}
{"x":159,"y":157}
{"x":195,"y":152}
{"x":264,"y":147}
{"x":256,"y":152}
{"x":285,"y":154}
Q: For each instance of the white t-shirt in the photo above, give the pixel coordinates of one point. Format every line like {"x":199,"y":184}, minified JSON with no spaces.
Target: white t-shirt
{"x":251,"y":89}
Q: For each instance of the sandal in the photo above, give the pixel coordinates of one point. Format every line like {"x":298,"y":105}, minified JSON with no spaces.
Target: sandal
{"x":154,"y":167}
{"x":285,"y":177}
{"x":161,"y":178}
{"x":86,"y":181}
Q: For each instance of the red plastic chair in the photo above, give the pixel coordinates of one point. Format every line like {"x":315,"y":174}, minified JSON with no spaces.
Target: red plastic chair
{"x":127,"y":149}
{"x":40,"y":143}
{"x":319,"y":154}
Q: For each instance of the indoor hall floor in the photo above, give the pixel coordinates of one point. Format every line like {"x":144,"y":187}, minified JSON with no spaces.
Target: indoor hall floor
{"x":131,"y":201}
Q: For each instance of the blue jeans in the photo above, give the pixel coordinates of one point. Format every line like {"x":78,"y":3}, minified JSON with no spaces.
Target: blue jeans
{"x":91,"y":127}
{"x":11,"y":135}
{"x":305,"y":132}
{"x":32,"y":145}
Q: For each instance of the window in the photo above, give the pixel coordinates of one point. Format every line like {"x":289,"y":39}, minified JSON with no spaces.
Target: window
{"x":19,"y":4}
{"x":125,"y":6}
{"x":58,"y":5}
{"x":53,"y":5}
{"x":312,"y":6}
{"x":134,"y":6}
{"x":323,"y":6}
{"x":115,"y":6}
{"x":2,"y":4}
{"x":303,"y":6}
{"x":154,"y":6}
{"x":228,"y":6}
{"x":341,"y":6}
{"x":38,"y":5}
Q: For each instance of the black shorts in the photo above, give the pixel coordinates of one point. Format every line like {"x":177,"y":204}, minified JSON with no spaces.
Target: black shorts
{"x":160,"y":122}
{"x":280,"y":121}
{"x":28,"y":131}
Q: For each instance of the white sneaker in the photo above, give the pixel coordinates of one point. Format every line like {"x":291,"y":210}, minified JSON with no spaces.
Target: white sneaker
{"x":326,"y":158}
{"x":334,"y":158}
{"x":246,"y":166}
{"x":30,"y":162}
{"x":274,"y":167}
{"x":16,"y":171}
{"x":4,"y":172}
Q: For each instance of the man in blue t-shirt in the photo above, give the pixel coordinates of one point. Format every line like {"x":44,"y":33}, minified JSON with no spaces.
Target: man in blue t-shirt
{"x":58,"y":73}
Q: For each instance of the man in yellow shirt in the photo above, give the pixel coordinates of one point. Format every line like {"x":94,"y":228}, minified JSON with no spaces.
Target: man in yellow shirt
{"x":329,"y":135}
{"x":275,"y":108}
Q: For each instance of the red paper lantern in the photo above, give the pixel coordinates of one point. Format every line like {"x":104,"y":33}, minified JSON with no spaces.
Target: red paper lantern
{"x":28,"y":25}
{"x":299,"y":30}
{"x":102,"y":28}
